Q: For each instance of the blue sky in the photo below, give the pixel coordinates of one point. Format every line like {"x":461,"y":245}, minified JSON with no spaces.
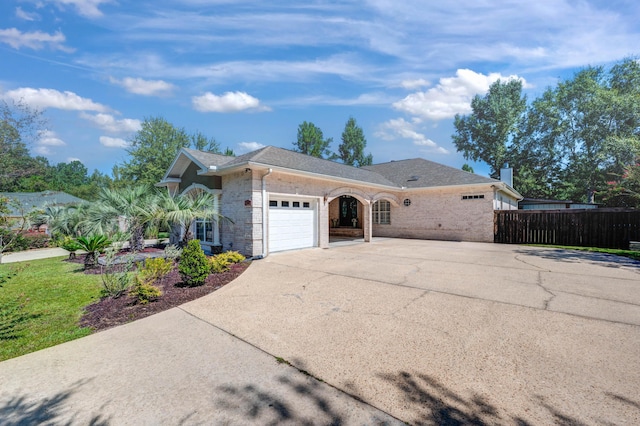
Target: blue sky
{"x":248,"y":73}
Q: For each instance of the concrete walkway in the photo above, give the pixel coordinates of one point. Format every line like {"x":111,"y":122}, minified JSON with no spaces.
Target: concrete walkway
{"x":45,"y":253}
{"x":429,"y":332}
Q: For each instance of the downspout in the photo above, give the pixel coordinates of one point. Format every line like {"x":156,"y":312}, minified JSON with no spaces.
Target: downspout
{"x":265,"y":206}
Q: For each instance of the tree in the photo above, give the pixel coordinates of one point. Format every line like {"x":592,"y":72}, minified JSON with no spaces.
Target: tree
{"x":182,"y":210}
{"x":203,"y":143}
{"x":467,"y":168}
{"x":581,"y":134}
{"x":487,"y":133}
{"x":151,"y":151}
{"x":351,"y":150}
{"x":11,"y":224}
{"x":136,"y":206}
{"x":311,"y":141}
{"x":20,"y":126}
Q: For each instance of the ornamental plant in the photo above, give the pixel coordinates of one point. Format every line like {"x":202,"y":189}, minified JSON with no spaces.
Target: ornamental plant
{"x":193,"y":266}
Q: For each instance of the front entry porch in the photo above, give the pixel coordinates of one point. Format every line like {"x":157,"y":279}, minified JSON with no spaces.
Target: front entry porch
{"x":345,"y":219}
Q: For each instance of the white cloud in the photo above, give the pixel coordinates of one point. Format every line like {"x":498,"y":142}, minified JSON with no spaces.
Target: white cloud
{"x":228,"y":102}
{"x":113,"y":142}
{"x":400,"y":128}
{"x":35,"y":40}
{"x":87,"y":8}
{"x":109,"y":123}
{"x":26,"y":15}
{"x":249,"y":146}
{"x":42,"y":150}
{"x":414,"y":84}
{"x":140,"y":86}
{"x":49,"y":138}
{"x":451,"y":96}
{"x":51,"y":98}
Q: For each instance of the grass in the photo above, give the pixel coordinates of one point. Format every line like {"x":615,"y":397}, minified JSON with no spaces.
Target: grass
{"x":41,"y":302}
{"x":633,"y":254}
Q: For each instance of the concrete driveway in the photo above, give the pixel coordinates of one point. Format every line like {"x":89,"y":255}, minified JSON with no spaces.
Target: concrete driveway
{"x":426,"y":332}
{"x":448,"y":332}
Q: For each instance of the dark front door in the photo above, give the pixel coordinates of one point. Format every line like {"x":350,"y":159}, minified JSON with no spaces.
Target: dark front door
{"x":348,"y":210}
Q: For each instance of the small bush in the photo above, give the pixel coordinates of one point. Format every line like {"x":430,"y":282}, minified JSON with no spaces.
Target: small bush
{"x":233,"y":256}
{"x":218,"y":264}
{"x":154,"y":269}
{"x":115,"y":279}
{"x":145,"y":292}
{"x":36,"y":240}
{"x":172,"y":252}
{"x":193,"y":266}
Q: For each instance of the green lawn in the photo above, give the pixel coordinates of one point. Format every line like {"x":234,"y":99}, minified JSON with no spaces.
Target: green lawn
{"x":41,"y":303}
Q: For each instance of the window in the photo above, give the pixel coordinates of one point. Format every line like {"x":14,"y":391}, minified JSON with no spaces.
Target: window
{"x":205,"y":230}
{"x":306,"y":205}
{"x":296,"y":204}
{"x":473,"y":197}
{"x":273,"y":204}
{"x":382,"y":212}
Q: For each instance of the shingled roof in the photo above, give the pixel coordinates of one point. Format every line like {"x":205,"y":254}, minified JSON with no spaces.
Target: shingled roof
{"x":421,"y":173}
{"x":412,"y":173}
{"x":37,"y":200}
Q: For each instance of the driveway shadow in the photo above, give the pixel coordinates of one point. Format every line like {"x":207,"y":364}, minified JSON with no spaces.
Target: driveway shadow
{"x":432,"y":403}
{"x":578,"y":256}
{"x":23,"y":410}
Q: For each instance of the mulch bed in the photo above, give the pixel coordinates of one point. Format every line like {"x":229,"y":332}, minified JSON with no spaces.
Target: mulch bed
{"x":109,"y":312}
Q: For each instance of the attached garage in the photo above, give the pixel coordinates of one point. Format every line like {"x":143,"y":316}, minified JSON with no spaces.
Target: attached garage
{"x":293,"y":223}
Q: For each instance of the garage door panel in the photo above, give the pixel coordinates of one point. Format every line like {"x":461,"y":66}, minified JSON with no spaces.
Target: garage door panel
{"x":292,"y":228}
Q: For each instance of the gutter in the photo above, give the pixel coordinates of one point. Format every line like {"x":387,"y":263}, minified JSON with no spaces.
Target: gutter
{"x":265,"y":206}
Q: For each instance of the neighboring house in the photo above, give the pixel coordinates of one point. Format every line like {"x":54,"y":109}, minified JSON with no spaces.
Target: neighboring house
{"x":281,"y":200}
{"x":30,"y":201}
{"x":542,"y":204}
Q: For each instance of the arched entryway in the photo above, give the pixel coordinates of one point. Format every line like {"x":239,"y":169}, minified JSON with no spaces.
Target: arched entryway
{"x":346,"y":219}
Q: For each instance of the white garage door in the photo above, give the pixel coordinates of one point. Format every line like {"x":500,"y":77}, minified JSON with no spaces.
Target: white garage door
{"x":292,"y":224}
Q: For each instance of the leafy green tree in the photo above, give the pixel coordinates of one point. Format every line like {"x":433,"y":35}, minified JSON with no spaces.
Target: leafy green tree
{"x":487,"y":133}
{"x":151,"y":151}
{"x":203,"y":143}
{"x":20,"y":126}
{"x":351,"y":150}
{"x":581,"y":134}
{"x":467,"y":168}
{"x":311,"y":141}
{"x":11,"y":227}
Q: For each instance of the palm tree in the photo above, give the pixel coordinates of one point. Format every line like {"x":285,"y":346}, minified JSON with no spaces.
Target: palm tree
{"x":134,"y":207}
{"x":184,"y":209}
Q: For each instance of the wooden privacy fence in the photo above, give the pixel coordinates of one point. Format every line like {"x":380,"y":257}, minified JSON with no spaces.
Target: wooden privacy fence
{"x":605,"y":228}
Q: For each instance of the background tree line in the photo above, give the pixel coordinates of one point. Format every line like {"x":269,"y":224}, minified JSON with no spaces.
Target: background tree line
{"x":579,"y":140}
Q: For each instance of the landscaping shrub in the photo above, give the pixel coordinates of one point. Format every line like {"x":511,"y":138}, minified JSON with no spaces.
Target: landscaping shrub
{"x":70,"y":245}
{"x":220,"y":263}
{"x":116,"y":278}
{"x":16,"y":242}
{"x":93,"y":245}
{"x":36,"y":240}
{"x":154,"y":269}
{"x":144,"y":291}
{"x":172,"y":252}
{"x":193,"y":265}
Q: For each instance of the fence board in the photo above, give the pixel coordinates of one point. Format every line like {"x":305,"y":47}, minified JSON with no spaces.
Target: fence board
{"x":605,"y":228}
